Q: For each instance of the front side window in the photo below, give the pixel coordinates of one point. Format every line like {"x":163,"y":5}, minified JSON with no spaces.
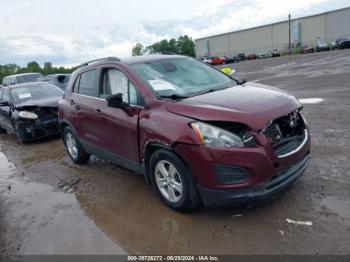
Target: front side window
{"x":87,"y":83}
{"x":76,"y":85}
{"x":181,"y":76}
{"x":133,"y":95}
{"x":115,"y":82}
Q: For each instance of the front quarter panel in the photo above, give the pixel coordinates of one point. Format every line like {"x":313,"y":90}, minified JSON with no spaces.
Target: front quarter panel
{"x":162,"y":127}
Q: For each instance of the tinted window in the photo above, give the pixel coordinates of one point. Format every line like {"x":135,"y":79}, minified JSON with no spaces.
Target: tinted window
{"x":87,"y":83}
{"x":115,"y":82}
{"x":5,"y":81}
{"x":27,"y":78}
{"x":12,"y":81}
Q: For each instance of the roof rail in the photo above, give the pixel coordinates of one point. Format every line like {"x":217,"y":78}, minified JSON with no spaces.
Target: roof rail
{"x":111,"y":58}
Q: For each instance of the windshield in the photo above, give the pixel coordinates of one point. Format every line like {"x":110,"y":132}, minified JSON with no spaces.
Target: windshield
{"x":35,"y":92}
{"x":181,"y":77}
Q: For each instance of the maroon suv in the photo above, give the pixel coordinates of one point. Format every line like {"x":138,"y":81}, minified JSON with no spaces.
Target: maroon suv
{"x":195,"y":133}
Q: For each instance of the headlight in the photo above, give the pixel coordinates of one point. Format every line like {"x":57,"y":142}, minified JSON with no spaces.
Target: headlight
{"x":28,"y":115}
{"x":215,"y":137}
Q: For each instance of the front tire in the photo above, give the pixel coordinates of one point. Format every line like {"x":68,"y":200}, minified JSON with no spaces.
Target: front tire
{"x":20,"y":132}
{"x":74,"y":148}
{"x":172,"y":181}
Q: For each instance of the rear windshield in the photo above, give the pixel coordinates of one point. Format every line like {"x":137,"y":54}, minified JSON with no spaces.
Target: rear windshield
{"x":28,"y":78}
{"x":35,"y":92}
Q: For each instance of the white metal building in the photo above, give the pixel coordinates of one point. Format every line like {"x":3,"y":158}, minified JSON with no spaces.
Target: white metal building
{"x":328,"y":26}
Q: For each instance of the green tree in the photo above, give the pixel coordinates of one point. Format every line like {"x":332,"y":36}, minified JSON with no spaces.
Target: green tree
{"x":8,"y":69}
{"x":33,"y":67}
{"x":137,"y":50}
{"x":184,"y":45}
{"x":173,"y":46}
{"x":12,"y":69}
{"x":48,"y":69}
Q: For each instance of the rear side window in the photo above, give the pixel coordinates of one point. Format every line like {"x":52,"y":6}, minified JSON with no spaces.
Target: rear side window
{"x":13,"y":81}
{"x":5,"y":81}
{"x":87,"y":83}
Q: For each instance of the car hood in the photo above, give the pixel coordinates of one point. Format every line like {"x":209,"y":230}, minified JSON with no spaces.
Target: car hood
{"x":252,"y":104}
{"x":49,"y":102}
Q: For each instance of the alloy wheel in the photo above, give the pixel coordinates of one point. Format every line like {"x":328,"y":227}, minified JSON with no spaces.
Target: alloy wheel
{"x":168,"y":181}
{"x":71,"y":145}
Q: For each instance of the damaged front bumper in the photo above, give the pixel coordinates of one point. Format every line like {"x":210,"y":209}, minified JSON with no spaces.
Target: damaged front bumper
{"x":32,"y":130}
{"x":271,"y":188}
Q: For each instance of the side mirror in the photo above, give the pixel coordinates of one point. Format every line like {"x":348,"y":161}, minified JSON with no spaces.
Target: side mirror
{"x":4,"y":103}
{"x":116,"y":101}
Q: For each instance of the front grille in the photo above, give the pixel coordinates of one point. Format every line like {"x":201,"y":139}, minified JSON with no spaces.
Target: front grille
{"x":289,"y":145}
{"x":286,"y":133}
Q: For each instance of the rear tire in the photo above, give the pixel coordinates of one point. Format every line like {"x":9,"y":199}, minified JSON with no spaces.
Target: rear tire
{"x":74,"y":148}
{"x":172,"y":181}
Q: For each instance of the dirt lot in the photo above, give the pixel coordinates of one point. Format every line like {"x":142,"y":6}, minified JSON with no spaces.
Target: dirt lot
{"x":50,"y":206}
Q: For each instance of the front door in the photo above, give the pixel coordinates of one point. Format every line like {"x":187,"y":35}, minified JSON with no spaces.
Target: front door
{"x":119,"y":126}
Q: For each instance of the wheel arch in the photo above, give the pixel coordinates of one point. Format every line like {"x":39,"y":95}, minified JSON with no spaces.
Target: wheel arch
{"x":63,"y":125}
{"x":152,"y":147}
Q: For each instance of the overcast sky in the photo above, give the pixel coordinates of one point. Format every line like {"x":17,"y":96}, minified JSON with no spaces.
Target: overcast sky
{"x":68,"y":32}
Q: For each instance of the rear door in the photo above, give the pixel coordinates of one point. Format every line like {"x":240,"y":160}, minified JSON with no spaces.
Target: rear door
{"x":119,"y":126}
{"x":84,"y":99}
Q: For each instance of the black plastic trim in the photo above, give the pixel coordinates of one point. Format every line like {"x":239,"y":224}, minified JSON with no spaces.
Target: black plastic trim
{"x":273,"y":187}
{"x":114,"y":158}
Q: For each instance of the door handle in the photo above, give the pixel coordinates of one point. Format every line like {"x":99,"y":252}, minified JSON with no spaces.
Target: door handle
{"x":98,"y":110}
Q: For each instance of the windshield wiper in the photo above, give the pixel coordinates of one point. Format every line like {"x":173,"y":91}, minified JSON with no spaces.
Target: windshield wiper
{"x":210,"y":90}
{"x":174,"y":96}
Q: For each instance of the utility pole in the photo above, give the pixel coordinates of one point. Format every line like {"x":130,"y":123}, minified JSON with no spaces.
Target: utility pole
{"x":289,"y":41}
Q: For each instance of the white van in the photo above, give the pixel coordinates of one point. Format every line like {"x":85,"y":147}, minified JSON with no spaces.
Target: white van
{"x":20,"y":78}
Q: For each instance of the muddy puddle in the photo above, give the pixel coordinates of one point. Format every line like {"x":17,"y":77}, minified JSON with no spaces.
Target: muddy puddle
{"x":40,"y":220}
{"x":51,"y":206}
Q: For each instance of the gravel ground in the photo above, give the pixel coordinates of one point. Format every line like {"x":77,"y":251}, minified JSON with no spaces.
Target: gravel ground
{"x":50,"y":206}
